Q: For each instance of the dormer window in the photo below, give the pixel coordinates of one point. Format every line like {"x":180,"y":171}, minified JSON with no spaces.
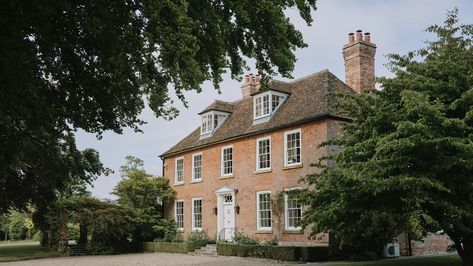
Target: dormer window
{"x":266,"y":103}
{"x":211,"y":121}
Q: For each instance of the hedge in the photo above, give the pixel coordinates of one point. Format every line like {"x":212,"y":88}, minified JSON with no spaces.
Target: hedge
{"x":172,"y":247}
{"x":287,"y":253}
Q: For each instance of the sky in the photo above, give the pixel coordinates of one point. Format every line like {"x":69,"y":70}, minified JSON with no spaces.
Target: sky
{"x":396,"y":26}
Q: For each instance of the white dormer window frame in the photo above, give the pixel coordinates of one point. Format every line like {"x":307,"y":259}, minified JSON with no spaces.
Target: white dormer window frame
{"x":265,"y":104}
{"x":211,"y":121}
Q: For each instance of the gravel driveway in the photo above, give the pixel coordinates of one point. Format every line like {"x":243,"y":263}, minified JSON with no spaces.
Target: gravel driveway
{"x":143,"y":259}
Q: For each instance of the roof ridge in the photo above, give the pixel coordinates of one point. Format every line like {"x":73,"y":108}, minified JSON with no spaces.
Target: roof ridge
{"x":311,"y":75}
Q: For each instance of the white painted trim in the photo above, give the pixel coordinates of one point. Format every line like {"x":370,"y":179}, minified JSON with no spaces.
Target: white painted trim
{"x":193,"y":167}
{"x":176,"y":182}
{"x":201,"y":213}
{"x":258,"y":221}
{"x":285,"y":146}
{"x":221,"y":160}
{"x":286,"y":217}
{"x":257,"y":153}
{"x":183,"y":213}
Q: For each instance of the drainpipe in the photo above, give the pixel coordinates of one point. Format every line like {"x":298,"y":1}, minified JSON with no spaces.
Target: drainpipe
{"x":162,"y":174}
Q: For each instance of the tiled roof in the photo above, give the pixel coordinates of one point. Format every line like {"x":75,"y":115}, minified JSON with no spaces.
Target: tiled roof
{"x":311,"y":98}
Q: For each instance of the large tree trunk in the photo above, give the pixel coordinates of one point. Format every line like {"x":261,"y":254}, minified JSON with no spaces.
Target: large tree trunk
{"x":467,"y":251}
{"x":44,"y":238}
{"x":83,"y":232}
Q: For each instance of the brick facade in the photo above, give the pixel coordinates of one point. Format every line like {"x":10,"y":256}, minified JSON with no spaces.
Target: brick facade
{"x":248,"y":181}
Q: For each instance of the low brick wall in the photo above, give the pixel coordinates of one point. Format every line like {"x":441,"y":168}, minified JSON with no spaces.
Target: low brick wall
{"x":432,"y":243}
{"x":284,"y":253}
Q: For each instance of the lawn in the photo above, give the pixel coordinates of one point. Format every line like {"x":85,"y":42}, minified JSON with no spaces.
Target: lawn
{"x":24,"y":250}
{"x":448,"y":260}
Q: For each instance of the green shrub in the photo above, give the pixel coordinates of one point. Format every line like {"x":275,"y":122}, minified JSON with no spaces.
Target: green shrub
{"x":198,"y":237}
{"x":285,"y":253}
{"x":272,"y":242}
{"x":73,"y":231}
{"x":168,"y":229}
{"x":243,"y":239}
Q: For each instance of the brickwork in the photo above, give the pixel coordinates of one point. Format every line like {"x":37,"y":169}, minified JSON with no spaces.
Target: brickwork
{"x":359,"y":64}
{"x":248,"y":181}
{"x":431,"y":244}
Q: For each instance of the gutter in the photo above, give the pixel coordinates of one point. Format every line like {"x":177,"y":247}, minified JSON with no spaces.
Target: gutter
{"x":302,"y":121}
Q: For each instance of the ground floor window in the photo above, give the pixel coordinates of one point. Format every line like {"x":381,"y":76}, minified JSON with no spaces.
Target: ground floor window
{"x":293,"y":212}
{"x":179,"y":215}
{"x":197,"y":214}
{"x":263,"y":206}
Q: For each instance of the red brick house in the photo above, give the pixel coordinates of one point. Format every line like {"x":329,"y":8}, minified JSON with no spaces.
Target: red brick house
{"x":232,"y":173}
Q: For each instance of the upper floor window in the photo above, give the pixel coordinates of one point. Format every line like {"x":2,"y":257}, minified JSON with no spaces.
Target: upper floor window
{"x":266,"y":103}
{"x":211,"y":121}
{"x":179,"y":170}
{"x":292,"y":147}
{"x":197,"y":167}
{"x":263,"y":153}
{"x":227,"y":161}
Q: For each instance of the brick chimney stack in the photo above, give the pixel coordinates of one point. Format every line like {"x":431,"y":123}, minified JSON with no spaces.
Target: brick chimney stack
{"x":251,"y":84}
{"x":359,"y":62}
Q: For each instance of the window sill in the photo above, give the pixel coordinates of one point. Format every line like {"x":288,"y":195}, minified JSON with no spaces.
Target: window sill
{"x":293,"y":231}
{"x":196,"y":181}
{"x":180,"y":229}
{"x":197,"y":230}
{"x":293,"y":166}
{"x":226,"y":176}
{"x":262,"y":171}
{"x":264,"y":232}
{"x":178,"y":184}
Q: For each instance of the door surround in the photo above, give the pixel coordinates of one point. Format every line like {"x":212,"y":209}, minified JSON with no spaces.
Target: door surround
{"x":226,"y":190}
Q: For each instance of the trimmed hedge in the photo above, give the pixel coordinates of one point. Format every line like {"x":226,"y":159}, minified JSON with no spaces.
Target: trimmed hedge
{"x":172,"y":247}
{"x":287,"y":253}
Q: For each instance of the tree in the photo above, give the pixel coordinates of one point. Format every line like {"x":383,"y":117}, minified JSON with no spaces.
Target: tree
{"x":144,"y":196}
{"x":406,"y":162}
{"x":92,"y":65}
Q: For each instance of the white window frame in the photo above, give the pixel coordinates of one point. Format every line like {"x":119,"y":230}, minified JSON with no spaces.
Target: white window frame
{"x":194,"y":228}
{"x":210,"y":123}
{"x":258,"y":154}
{"x":183,"y":214}
{"x":285,"y":147}
{"x":222,"y":165}
{"x":258,"y":218}
{"x":260,"y":97}
{"x":193,"y":166}
{"x":176,"y":181}
{"x":286,"y":216}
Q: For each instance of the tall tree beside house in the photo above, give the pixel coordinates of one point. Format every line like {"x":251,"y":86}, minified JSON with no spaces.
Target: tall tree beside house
{"x":144,"y":196}
{"x":406,"y":162}
{"x":93,"y":64}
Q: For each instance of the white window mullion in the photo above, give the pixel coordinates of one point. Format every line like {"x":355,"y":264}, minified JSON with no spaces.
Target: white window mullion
{"x":179,"y":173}
{"x":196,"y":214}
{"x":263,"y":210}
{"x":263,"y":154}
{"x":179,"y":214}
{"x":227,"y":161}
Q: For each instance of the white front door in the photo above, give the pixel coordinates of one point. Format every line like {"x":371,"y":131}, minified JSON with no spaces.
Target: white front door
{"x":228,"y":216}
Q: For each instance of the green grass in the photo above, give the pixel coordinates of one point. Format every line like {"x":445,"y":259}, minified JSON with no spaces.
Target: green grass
{"x":24,"y":250}
{"x":448,"y":260}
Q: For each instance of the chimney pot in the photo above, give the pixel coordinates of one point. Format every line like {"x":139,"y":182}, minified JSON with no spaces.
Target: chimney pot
{"x":367,"y":37}
{"x":351,"y":38}
{"x":359,"y":35}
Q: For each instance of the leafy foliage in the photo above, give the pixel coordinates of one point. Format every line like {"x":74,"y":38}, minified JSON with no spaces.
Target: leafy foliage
{"x":407,"y":157}
{"x":167,"y":232}
{"x":144,"y":196}
{"x":243,"y":239}
{"x":70,"y":65}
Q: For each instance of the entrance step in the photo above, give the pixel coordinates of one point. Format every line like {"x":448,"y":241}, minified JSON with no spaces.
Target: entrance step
{"x":77,"y":250}
{"x":208,"y":250}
